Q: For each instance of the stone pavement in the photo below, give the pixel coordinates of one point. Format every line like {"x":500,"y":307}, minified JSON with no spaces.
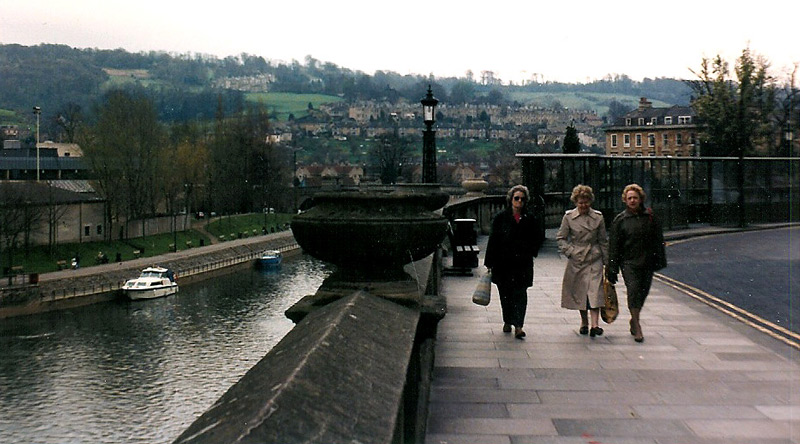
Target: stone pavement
{"x":700,"y":377}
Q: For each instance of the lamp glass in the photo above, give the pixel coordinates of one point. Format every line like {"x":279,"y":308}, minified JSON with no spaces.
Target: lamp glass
{"x":427,"y":113}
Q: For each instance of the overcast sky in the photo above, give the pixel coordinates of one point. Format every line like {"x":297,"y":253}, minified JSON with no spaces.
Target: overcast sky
{"x":569,"y":41}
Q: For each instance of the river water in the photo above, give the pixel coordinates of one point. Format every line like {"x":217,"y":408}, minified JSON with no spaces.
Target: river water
{"x":142,"y":371}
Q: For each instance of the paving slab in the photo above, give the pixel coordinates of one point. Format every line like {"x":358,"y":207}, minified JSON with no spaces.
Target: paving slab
{"x":700,"y":377}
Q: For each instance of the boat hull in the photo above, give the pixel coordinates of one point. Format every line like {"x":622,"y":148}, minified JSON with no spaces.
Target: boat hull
{"x":268,"y":263}
{"x":150,"y":293}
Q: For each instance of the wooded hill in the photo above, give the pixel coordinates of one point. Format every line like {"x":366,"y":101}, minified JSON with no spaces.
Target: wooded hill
{"x":193,"y":86}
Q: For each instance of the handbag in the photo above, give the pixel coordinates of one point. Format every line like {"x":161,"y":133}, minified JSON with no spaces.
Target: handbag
{"x":611,"y":310}
{"x":483,"y":291}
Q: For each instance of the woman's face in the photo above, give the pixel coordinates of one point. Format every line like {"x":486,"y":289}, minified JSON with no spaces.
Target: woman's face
{"x":583,"y":204}
{"x":633,"y":200}
{"x":518,"y":200}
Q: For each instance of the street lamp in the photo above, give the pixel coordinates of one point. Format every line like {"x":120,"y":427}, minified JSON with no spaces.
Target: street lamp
{"x":788,"y":136}
{"x":429,"y":138}
{"x":38,"y":112}
{"x":295,"y":180}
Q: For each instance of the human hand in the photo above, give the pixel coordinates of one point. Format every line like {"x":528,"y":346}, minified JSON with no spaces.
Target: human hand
{"x":612,"y":277}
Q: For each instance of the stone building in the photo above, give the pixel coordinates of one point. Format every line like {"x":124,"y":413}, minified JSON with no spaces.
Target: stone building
{"x":651,"y":131}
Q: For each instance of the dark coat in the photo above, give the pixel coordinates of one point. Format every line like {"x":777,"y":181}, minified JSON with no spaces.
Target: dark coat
{"x":512,"y":247}
{"x":636,"y":240}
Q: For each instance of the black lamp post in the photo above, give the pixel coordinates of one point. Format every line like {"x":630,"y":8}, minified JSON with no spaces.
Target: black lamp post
{"x":429,"y":138}
{"x":37,"y":111}
{"x":788,"y":137}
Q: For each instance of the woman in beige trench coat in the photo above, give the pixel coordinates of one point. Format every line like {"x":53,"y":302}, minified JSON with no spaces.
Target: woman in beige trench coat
{"x":583,"y":240}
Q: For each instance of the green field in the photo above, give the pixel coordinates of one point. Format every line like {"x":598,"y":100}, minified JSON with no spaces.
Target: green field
{"x":283,"y":104}
{"x":576,"y":100}
{"x":247,"y":224}
{"x":8,"y":117}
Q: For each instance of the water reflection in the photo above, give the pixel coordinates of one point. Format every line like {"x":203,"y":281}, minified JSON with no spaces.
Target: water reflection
{"x":142,"y":371}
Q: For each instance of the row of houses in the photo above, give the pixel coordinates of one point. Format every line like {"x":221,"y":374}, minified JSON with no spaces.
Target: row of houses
{"x":484,"y":121}
{"x":317,"y":175}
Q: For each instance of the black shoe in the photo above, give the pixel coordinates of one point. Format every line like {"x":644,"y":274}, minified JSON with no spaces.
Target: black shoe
{"x":584,"y":330}
{"x":596,"y":331}
{"x":506,"y":328}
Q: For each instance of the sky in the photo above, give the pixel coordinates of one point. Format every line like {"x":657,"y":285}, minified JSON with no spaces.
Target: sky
{"x":574,"y":41}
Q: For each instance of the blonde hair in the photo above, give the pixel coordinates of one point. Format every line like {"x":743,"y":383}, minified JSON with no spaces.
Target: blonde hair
{"x":517,"y":189}
{"x":637,"y":188}
{"x":582,"y":192}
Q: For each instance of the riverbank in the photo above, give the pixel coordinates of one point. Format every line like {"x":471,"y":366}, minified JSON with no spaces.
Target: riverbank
{"x":70,"y":288}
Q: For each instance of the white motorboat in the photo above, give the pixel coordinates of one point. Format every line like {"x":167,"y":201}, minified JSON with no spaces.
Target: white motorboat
{"x":269,"y":259}
{"x":154,"y":282}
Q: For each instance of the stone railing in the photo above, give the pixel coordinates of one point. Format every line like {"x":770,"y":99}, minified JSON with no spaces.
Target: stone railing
{"x":357,"y":366}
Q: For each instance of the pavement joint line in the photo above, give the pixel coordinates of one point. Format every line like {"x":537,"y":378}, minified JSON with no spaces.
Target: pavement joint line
{"x":750,"y":319}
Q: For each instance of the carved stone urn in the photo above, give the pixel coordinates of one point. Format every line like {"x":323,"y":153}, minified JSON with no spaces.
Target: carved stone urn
{"x":372,"y":232}
{"x":474,"y":187}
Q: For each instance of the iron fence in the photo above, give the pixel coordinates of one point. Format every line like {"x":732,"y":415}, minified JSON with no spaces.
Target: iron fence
{"x":683,"y":190}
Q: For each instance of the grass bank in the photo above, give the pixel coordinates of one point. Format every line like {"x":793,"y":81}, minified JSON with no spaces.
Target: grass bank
{"x":41,"y":259}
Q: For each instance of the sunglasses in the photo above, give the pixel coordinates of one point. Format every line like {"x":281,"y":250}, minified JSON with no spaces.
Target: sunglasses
{"x":520,"y":198}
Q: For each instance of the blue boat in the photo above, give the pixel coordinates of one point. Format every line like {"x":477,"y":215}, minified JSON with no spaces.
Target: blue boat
{"x":269,"y":259}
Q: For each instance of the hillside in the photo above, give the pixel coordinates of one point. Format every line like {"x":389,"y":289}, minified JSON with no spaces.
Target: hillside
{"x":189,"y":86}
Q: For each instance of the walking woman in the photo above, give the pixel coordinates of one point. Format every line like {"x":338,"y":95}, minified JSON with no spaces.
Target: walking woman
{"x":637,"y":248}
{"x":517,"y":234}
{"x":582,"y":239}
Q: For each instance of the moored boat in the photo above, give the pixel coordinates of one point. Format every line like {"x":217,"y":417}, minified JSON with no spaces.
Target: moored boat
{"x":269,"y":259}
{"x":153,"y":282}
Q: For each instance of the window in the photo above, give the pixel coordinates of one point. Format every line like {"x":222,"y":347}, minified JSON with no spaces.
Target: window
{"x":638,"y":140}
{"x":665,"y":140}
{"x":678,"y":139}
{"x":653,"y":120}
{"x":691,"y":139}
{"x":651,"y":140}
{"x":99,"y":230}
{"x":626,"y":140}
{"x":87,"y":230}
{"x":668,"y":120}
{"x":613,"y":140}
{"x":627,"y":121}
{"x":684,"y":120}
{"x":641,"y":120}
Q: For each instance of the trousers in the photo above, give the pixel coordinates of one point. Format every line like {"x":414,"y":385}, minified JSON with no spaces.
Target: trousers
{"x":514,"y":304}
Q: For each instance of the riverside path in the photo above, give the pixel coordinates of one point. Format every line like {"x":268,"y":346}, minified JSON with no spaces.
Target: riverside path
{"x":700,"y":376}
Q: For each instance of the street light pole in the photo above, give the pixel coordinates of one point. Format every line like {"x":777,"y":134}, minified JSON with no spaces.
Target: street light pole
{"x":429,"y":138}
{"x":295,"y":180}
{"x":37,"y":111}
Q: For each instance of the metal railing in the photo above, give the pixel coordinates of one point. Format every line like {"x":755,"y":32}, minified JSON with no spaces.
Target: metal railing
{"x":684,"y":190}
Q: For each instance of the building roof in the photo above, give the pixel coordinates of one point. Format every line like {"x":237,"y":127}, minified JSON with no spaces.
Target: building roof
{"x":48,"y":192}
{"x":648,"y":112}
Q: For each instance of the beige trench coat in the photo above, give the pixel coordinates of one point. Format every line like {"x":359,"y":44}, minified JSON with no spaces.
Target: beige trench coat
{"x":583,"y":240}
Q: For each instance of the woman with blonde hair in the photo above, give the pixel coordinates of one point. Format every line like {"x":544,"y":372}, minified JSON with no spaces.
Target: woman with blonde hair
{"x":582,"y":239}
{"x":637,"y":249}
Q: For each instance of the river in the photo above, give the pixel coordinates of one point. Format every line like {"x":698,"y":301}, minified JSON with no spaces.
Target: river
{"x":142,"y":371}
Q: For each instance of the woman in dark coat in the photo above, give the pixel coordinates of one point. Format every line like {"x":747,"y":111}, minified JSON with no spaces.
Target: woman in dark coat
{"x":637,"y":248}
{"x":516,"y":236}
